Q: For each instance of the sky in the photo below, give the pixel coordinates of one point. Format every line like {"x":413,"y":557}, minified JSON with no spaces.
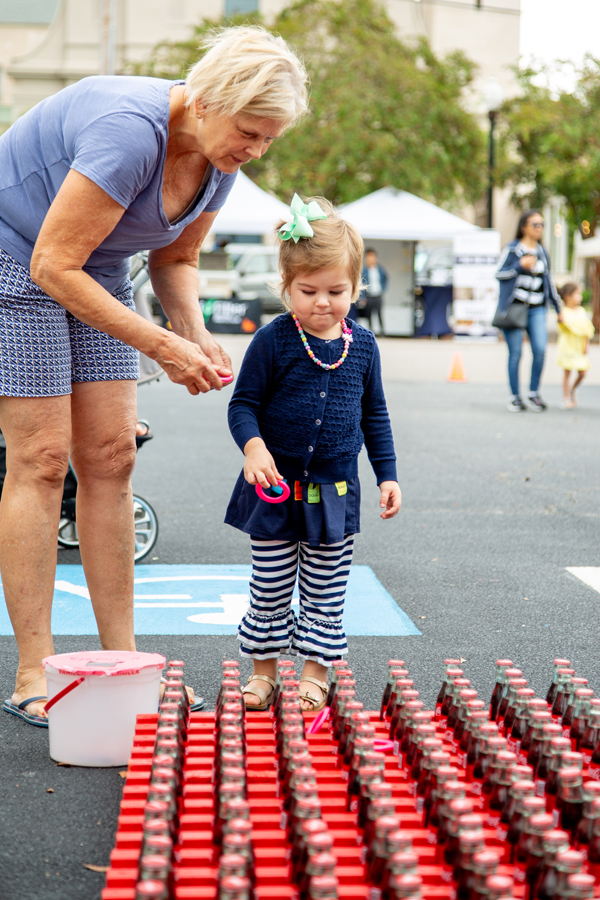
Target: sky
{"x":560,"y":29}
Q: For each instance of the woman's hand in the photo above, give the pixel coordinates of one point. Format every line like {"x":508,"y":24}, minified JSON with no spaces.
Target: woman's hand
{"x":528,"y":261}
{"x":391,"y":499}
{"x":260,"y":467}
{"x":215,"y":353}
{"x":185,"y":362}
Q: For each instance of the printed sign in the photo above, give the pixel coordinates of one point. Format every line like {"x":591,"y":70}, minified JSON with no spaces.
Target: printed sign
{"x":475,"y":287}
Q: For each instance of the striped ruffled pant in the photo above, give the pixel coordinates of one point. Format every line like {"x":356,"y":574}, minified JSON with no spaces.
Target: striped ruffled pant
{"x":270,"y":626}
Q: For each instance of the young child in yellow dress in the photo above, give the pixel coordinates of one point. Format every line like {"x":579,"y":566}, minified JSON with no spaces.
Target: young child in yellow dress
{"x":574,"y":333}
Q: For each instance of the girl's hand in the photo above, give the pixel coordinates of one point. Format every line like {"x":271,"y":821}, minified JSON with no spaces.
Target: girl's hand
{"x":260,"y":467}
{"x":391,"y":499}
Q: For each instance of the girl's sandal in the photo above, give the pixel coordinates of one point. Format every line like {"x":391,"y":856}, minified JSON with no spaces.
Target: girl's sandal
{"x":317,"y":705}
{"x":263,"y":696}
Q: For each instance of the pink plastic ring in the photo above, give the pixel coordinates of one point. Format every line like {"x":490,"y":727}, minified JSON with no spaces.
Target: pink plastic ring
{"x":226,"y":379}
{"x":286,"y":493}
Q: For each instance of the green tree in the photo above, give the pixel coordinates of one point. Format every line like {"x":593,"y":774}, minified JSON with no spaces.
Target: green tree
{"x":551,"y":148}
{"x":383,"y":112}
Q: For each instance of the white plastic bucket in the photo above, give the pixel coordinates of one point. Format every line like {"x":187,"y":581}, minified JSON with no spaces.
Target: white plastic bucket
{"x":93,"y":701}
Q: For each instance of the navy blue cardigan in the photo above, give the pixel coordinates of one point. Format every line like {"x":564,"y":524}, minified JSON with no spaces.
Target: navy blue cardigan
{"x":314,"y":422}
{"x":509,"y":269}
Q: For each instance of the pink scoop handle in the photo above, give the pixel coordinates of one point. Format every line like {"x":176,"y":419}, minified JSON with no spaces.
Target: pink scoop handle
{"x":318,"y":722}
{"x":66,"y":690}
{"x":226,"y":379}
{"x":282,"y":484}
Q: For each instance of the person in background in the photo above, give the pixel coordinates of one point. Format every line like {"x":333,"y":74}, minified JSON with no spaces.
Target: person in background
{"x":574,"y":333}
{"x":375,"y":279}
{"x":524,"y":275}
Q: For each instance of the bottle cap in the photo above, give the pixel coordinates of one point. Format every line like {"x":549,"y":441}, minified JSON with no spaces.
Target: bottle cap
{"x":452,"y":662}
{"x":487,"y":858}
{"x":155,"y":809}
{"x":152,"y":862}
{"x":396,"y":663}
{"x":542,"y":821}
{"x":562,"y":662}
{"x":499,"y":883}
{"x":507,"y":663}
{"x":235,"y":883}
{"x":150,"y":889}
{"x":159,"y":844}
{"x":537,"y":804}
{"x":571,"y":859}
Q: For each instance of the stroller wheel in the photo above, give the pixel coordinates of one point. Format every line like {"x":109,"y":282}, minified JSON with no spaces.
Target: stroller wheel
{"x":146,"y":527}
{"x":67,"y":533}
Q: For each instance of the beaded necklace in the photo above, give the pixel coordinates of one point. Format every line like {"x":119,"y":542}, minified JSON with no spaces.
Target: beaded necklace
{"x":346,"y":334}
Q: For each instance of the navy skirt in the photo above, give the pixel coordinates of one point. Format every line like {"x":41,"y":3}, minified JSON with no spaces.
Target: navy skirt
{"x":313,"y":514}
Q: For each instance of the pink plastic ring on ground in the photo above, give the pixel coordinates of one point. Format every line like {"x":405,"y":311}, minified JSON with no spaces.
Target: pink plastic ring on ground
{"x":284,"y":495}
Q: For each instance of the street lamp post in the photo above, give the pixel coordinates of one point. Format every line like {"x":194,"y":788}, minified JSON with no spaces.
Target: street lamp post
{"x":493,"y":97}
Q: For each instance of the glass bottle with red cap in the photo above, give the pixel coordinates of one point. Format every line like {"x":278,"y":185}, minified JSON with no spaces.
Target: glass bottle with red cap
{"x":558,"y":664}
{"x":589,"y":745}
{"x":526,"y":808}
{"x":431,"y":763}
{"x":583,"y":705}
{"x":375,"y":800}
{"x":391,"y":678}
{"x":402,"y":682}
{"x":529,"y":853}
{"x":450,"y":701}
{"x":481,"y":731}
{"x":535,"y":737}
{"x":465,"y":712}
{"x":406,"y":694}
{"x":343,"y":696}
{"x":563,"y":690}
{"x":512,"y":686}
{"x":462,"y":818}
{"x":232,"y":887}
{"x":555,"y":842}
{"x":452,"y":673}
{"x":517,"y":715}
{"x":352,"y":715}
{"x":578,"y":887}
{"x":421,"y":730}
{"x":496,"y":746}
{"x":439,"y":815}
{"x":499,"y":887}
{"x":570,"y":799}
{"x":577,"y":684}
{"x":339,"y":671}
{"x":407,"y":712}
{"x":542,"y":766}
{"x":301,"y":775}
{"x":534,"y":706}
{"x":363,"y":731}
{"x":591,"y":811}
{"x":240,"y":844}
{"x":426,"y":745}
{"x":449,"y":664}
{"x":509,"y":673}
{"x":293,"y":746}
{"x":518,"y":789}
{"x":501,"y":666}
{"x":232,"y":864}
{"x":558,"y":747}
{"x":502,"y":781}
{"x":485,"y":865}
{"x":315,"y":845}
{"x":375,"y":851}
{"x":462,"y":698}
{"x":318,"y":865}
{"x":301,"y":809}
{"x":401,"y":862}
{"x":405,"y":887}
{"x":439,"y":776}
{"x":419,"y":717}
{"x":151,"y":890}
{"x":226,"y":793}
{"x":469,"y":843}
{"x":323,"y":887}
{"x":593,"y":849}
{"x":568,"y":862}
{"x":307,"y":829}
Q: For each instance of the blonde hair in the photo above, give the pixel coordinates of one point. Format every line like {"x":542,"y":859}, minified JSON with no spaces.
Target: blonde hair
{"x":335,"y":242}
{"x":248,"y":70}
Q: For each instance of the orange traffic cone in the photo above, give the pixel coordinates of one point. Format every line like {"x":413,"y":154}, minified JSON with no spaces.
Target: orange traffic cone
{"x":456,"y":371}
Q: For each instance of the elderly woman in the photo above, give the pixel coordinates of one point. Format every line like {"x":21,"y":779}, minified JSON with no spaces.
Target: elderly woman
{"x":88,"y":177}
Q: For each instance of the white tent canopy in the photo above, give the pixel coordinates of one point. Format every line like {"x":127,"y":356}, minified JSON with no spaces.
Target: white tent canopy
{"x":389,"y":214}
{"x":249,"y":210}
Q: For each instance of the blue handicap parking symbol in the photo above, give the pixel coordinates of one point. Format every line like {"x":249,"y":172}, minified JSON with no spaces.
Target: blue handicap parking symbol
{"x":210,"y":600}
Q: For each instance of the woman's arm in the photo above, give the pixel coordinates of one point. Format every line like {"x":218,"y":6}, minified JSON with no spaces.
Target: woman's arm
{"x":175,"y":280}
{"x":81,"y":216}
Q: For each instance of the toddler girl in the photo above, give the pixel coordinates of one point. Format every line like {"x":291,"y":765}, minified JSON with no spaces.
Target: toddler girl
{"x":574,"y":333}
{"x":308,"y":394}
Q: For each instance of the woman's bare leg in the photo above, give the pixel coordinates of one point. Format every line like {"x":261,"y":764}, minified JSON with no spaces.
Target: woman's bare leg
{"x":103,"y":456}
{"x":566,"y":391}
{"x":37,"y":433}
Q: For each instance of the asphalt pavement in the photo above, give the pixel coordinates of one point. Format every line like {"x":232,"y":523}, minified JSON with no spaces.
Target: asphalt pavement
{"x":496,"y":506}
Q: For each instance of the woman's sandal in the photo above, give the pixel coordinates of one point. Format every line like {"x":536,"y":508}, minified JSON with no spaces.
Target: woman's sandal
{"x":263,"y":696}
{"x":317,"y":705}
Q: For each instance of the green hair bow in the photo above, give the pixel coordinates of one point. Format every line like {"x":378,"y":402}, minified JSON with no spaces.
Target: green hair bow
{"x":302,"y":215}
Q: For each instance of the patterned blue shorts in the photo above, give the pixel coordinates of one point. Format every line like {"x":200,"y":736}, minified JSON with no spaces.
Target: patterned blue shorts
{"x":43,"y":348}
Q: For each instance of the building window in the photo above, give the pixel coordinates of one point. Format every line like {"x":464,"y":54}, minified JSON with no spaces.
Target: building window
{"x":240,"y":7}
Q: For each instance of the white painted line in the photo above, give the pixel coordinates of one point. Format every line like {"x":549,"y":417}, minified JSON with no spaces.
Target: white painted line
{"x":177,"y":605}
{"x":590,"y":575}
{"x":162,"y":597}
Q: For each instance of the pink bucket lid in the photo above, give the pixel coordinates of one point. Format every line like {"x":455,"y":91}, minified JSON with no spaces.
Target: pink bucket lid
{"x":104,"y":662}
